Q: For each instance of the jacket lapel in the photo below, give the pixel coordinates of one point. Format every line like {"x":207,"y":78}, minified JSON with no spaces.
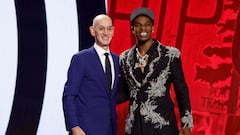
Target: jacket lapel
{"x":98,"y":67}
{"x":116,"y":69}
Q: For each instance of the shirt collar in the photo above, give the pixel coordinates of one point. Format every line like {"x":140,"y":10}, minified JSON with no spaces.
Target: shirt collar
{"x":99,"y":50}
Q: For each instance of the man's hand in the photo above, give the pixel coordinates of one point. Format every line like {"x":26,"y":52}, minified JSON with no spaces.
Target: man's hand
{"x":77,"y":131}
{"x":185,"y":131}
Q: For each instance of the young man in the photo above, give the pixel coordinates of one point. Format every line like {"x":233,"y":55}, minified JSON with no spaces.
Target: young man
{"x":148,"y":69}
{"x":89,"y":97}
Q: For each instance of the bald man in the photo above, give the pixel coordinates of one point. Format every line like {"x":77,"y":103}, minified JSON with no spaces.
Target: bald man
{"x":90,"y":90}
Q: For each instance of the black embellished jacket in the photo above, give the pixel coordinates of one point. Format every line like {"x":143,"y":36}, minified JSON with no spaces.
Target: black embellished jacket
{"x":151,"y":110}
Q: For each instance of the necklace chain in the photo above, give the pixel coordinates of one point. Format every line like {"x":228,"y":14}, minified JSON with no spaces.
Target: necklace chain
{"x":141,"y":59}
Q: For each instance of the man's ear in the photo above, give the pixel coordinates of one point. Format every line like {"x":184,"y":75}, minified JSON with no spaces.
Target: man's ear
{"x":91,"y":29}
{"x":132,"y":29}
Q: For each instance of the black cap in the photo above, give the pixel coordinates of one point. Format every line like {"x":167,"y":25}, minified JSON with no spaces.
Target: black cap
{"x":142,"y":11}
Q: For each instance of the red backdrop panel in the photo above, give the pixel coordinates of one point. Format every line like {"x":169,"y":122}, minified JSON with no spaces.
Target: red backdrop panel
{"x":208,"y":35}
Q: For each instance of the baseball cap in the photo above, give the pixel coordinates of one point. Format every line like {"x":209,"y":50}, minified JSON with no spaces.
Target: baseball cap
{"x":142,"y":11}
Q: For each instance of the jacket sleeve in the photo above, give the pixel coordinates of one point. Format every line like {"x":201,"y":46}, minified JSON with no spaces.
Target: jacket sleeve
{"x":123,"y":91}
{"x":182,"y":93}
{"x":70,"y":92}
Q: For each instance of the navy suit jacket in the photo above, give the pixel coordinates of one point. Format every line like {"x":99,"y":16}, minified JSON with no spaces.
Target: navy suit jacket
{"x":87,"y":102}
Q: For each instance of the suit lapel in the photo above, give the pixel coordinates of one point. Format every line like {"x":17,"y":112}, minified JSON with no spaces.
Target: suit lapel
{"x":116,"y":70}
{"x":98,"y":67}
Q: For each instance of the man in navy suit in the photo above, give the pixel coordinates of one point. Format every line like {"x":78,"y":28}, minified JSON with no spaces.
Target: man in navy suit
{"x":89,"y":99}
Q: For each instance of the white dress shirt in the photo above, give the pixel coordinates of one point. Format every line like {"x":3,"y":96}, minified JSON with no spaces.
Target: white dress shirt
{"x":102,"y":57}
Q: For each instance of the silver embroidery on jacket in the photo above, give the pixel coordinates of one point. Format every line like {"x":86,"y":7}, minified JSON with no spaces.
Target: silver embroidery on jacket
{"x":147,"y":111}
{"x":130,"y":118}
{"x":156,"y":90}
{"x":187,"y":120}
